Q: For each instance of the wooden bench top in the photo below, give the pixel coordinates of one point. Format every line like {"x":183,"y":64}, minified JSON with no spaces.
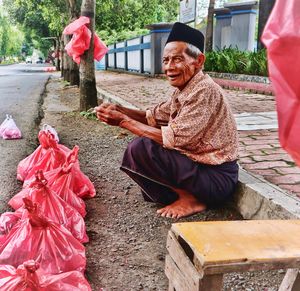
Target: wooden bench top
{"x":245,"y":242}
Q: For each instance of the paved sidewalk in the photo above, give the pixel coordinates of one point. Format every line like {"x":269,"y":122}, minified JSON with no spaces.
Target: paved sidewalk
{"x":260,"y":151}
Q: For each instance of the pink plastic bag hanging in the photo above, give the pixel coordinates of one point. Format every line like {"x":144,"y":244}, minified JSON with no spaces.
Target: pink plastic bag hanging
{"x":37,"y":238}
{"x":49,"y":155}
{"x":26,"y":278}
{"x":52,"y":206}
{"x":281,"y":36}
{"x":76,"y":181}
{"x":9,"y":129}
{"x":81,"y":39}
{"x":100,"y":49}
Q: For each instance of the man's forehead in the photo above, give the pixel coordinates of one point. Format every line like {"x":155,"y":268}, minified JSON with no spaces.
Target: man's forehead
{"x":174,"y":48}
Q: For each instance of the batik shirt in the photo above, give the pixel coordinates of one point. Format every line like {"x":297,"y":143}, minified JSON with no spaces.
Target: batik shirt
{"x":197,"y":122}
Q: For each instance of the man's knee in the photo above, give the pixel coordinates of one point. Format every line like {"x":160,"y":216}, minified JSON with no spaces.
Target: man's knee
{"x":136,"y":149}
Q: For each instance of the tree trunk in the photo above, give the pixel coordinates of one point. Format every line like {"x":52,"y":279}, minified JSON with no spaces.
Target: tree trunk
{"x":265,"y":8}
{"x":66,"y":61}
{"x":210,"y":27}
{"x":57,"y":52}
{"x":73,"y":68}
{"x":62,"y":49}
{"x":88,"y":91}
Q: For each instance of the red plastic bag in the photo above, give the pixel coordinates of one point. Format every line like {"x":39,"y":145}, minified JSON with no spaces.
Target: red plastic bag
{"x":70,"y":176}
{"x":9,"y":129}
{"x":37,"y":238}
{"x":49,"y":155}
{"x":81,"y":39}
{"x":100,"y":49}
{"x":281,"y":36}
{"x":61,"y":182}
{"x":8,"y":220}
{"x":52,"y":206}
{"x":25,"y":278}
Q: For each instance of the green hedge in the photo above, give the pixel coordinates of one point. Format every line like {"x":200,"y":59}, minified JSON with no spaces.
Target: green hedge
{"x":231,"y":60}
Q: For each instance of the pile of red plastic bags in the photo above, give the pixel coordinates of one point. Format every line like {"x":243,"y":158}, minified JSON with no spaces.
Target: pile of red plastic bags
{"x":41,"y":242}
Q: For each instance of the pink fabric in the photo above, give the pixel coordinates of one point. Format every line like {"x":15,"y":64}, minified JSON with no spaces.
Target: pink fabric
{"x":281,"y":36}
{"x":81,"y":39}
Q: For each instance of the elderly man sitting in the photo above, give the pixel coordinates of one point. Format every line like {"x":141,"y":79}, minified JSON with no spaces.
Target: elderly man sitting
{"x":185,"y":156}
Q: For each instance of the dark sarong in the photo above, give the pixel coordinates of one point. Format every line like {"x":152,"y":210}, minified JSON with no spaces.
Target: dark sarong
{"x":156,"y":170}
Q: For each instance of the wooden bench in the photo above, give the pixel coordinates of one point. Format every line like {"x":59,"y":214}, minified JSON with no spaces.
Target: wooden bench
{"x":199,"y":253}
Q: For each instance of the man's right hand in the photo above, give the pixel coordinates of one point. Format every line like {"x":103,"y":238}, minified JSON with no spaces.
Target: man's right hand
{"x":109,"y":113}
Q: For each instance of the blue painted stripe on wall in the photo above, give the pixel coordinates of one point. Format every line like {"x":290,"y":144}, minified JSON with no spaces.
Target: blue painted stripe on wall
{"x":236,"y":12}
{"x":223,"y":16}
{"x":243,"y":12}
{"x":137,"y":47}
{"x":160,"y":30}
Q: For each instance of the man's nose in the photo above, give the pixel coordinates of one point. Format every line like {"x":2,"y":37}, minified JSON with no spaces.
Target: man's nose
{"x":169,"y":65}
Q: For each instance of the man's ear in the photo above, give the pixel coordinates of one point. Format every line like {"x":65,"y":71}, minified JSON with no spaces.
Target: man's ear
{"x":200,"y":60}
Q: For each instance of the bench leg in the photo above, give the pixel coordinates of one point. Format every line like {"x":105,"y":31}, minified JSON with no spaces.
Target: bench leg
{"x":291,"y":281}
{"x":211,"y":282}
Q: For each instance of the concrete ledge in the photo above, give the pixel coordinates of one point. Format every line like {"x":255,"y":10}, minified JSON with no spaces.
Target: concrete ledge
{"x":108,"y":97}
{"x":255,"y":198}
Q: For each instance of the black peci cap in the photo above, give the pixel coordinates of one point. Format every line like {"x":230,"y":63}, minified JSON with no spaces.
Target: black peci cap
{"x":185,"y":33}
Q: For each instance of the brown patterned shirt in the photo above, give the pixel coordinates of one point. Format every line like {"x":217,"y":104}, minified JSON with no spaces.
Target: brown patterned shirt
{"x":198,"y":122}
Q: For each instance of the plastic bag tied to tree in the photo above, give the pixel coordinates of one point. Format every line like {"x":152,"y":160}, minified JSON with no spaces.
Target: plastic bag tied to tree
{"x":52,"y":206}
{"x":81,"y":39}
{"x":37,"y":238}
{"x":25,"y":278}
{"x":281,"y":37}
{"x":49,"y":155}
{"x":9,"y":129}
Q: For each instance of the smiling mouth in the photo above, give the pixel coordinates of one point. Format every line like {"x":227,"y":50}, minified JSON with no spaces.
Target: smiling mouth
{"x":172,"y":77}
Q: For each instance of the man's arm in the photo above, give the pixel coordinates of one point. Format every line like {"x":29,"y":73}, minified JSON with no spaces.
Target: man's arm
{"x":142,"y":130}
{"x":139,"y":115}
{"x":112,"y":116}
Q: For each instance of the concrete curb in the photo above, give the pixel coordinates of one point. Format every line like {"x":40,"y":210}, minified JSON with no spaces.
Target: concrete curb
{"x":255,"y":198}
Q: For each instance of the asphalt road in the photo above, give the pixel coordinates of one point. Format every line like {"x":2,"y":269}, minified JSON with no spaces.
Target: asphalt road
{"x":21,"y":87}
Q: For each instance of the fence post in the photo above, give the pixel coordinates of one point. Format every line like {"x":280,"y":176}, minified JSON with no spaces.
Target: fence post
{"x":125,"y":56}
{"x":115,"y":56}
{"x":141,"y":55}
{"x":159,"y":34}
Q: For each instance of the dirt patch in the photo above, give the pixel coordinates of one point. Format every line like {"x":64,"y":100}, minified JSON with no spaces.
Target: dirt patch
{"x":127,"y":239}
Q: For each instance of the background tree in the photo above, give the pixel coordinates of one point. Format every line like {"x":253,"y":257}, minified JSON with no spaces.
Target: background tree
{"x":11,"y":38}
{"x":88,"y":91}
{"x":210,"y":27}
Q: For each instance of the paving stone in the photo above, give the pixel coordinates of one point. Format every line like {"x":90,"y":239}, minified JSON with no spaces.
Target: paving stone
{"x":272,"y":157}
{"x":293,"y":188}
{"x":256,"y":147}
{"x":246,"y":160}
{"x":289,"y":170}
{"x":286,"y":179}
{"x":265,"y":165}
{"x":266,"y":172}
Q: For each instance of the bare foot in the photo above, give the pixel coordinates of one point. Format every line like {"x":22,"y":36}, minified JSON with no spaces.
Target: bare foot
{"x":186,"y":205}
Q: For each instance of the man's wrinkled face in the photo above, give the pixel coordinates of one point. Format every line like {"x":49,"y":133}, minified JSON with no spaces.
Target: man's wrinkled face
{"x":178,"y":66}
